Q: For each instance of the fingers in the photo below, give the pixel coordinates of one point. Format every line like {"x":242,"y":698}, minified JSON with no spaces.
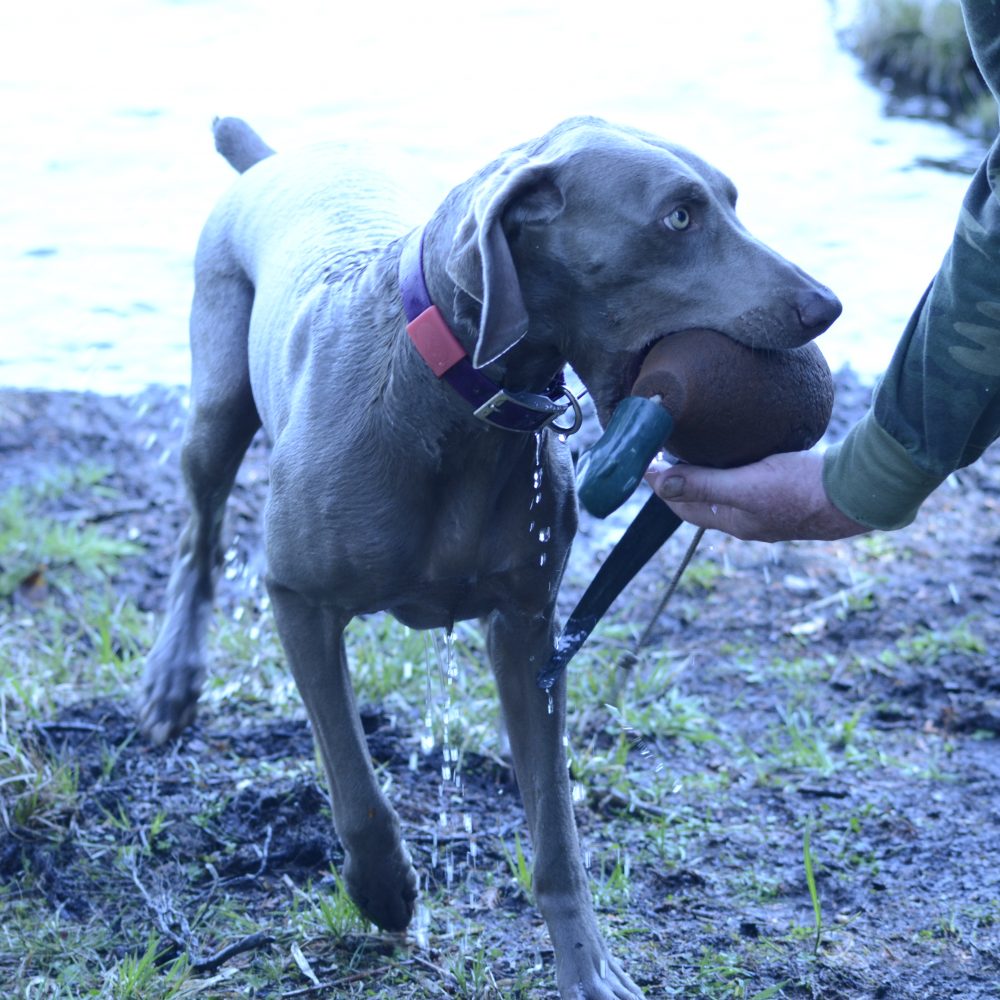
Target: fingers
{"x":742,"y":524}
{"x":779,"y":498}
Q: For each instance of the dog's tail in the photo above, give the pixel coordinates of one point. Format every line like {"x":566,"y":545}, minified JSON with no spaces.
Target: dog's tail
{"x":239,"y":143}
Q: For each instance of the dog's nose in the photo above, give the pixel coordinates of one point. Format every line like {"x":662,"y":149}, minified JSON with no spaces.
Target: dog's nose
{"x":817,"y":309}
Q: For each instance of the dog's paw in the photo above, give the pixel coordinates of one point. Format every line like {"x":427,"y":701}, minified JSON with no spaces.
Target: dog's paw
{"x":168,"y":696}
{"x":586,"y":970}
{"x":385,"y":892}
{"x":609,"y":983}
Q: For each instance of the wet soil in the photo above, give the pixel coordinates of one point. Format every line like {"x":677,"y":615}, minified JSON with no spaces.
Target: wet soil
{"x":902,"y":793}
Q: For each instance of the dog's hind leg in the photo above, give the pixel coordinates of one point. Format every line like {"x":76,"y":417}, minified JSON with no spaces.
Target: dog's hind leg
{"x":221,"y":423}
{"x":377,"y":868}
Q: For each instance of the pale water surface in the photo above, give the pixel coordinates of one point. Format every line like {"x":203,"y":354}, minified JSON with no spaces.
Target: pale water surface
{"x":107,"y":168}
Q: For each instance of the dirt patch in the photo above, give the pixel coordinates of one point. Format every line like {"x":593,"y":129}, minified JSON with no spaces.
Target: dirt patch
{"x":848,"y":689}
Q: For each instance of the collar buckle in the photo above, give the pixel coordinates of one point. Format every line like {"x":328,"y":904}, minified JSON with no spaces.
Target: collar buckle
{"x":492,"y":405}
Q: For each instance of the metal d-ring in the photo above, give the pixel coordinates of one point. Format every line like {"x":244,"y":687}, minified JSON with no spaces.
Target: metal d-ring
{"x":577,"y":415}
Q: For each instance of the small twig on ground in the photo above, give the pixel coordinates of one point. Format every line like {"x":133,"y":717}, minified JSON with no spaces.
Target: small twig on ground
{"x":251,"y":942}
{"x":822,"y":792}
{"x":437,"y":971}
{"x":433,"y":836}
{"x":68,"y":727}
{"x":838,"y":596}
{"x":604,"y":797}
{"x":264,"y":852}
{"x":355,"y":977}
{"x":154,"y":909}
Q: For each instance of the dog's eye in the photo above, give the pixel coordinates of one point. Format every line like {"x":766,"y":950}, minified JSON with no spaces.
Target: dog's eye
{"x":678,"y":219}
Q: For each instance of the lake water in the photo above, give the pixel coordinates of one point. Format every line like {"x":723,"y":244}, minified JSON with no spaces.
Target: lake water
{"x":107,"y":168}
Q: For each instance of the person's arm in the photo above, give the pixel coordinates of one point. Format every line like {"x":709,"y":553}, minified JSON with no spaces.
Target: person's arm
{"x":936,"y":409}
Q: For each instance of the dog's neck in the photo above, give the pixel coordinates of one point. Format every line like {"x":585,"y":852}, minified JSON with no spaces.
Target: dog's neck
{"x":501,"y":394}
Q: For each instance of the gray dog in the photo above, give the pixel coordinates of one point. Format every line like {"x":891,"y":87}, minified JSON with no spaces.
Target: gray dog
{"x":410,"y":383}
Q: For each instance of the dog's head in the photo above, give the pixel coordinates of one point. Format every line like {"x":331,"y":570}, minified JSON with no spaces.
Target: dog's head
{"x":595,"y":241}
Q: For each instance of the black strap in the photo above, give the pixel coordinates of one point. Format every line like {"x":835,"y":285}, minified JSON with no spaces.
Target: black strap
{"x":652,"y":526}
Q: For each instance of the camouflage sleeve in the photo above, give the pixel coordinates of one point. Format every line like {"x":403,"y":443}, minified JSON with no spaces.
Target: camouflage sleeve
{"x":938,"y":406}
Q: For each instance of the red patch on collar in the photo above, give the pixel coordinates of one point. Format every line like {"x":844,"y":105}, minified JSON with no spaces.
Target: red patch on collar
{"x":434,"y":341}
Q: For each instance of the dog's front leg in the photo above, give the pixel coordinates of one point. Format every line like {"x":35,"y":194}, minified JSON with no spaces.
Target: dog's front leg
{"x":585,"y":969}
{"x":377,"y":867}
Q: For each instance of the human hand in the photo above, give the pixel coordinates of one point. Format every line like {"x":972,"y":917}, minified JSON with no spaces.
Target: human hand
{"x":776,"y":499}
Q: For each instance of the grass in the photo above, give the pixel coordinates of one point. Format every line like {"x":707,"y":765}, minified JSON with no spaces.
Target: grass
{"x":807,"y":861}
{"x":40,"y":552}
{"x":687,"y":777}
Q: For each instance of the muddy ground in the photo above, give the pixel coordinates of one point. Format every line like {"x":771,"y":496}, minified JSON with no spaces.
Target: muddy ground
{"x":848,"y":688}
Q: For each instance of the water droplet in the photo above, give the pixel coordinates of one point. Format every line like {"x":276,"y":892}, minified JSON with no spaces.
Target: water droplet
{"x":443,"y":819}
{"x":427,"y":742}
{"x":445,"y":773}
{"x":604,"y":968}
{"x":421,"y":926}
{"x":588,"y":860}
{"x":467,"y":822}
{"x":551,"y":703}
{"x":414,"y":761}
{"x":544,"y":535}
{"x":542,"y":559}
{"x":537,"y":478}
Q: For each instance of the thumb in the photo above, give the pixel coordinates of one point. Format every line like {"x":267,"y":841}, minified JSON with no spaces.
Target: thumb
{"x":695,"y":484}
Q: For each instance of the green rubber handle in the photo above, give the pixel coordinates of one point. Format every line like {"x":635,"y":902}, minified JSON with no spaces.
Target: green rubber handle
{"x":610,"y":470}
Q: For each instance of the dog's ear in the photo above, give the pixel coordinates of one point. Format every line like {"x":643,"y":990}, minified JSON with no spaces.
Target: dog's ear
{"x":523,"y":191}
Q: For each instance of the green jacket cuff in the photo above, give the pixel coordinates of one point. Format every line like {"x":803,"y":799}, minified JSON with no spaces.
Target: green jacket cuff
{"x":871,"y":477}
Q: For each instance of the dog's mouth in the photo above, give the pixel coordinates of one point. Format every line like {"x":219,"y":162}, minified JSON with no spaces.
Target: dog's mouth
{"x":631,"y":369}
{"x":635,"y":366}
{"x":619,"y":385}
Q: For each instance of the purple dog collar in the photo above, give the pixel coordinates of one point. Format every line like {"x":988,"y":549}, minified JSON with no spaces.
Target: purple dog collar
{"x":447,"y":358}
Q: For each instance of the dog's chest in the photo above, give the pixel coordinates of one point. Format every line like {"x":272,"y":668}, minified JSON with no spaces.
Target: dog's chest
{"x":430,"y":545}
{"x":470,"y":561}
